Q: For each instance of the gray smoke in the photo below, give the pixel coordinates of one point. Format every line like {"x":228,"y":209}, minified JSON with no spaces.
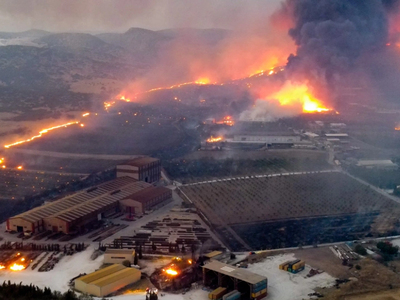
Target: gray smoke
{"x":332,"y":35}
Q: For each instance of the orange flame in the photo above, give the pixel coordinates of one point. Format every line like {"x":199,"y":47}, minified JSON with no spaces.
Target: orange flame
{"x":294,"y":94}
{"x":19,"y":167}
{"x":214,"y":139}
{"x":171,"y":272}
{"x":41,"y":134}
{"x":85,"y":114}
{"x":397,"y":128}
{"x":2,"y":267}
{"x":17,"y":267}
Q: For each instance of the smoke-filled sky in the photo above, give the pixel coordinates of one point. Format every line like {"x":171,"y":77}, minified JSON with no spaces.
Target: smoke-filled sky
{"x":119,"y":15}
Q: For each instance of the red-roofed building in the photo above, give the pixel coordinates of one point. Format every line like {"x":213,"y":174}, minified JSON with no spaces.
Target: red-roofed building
{"x":146,"y":199}
{"x":145,"y":168}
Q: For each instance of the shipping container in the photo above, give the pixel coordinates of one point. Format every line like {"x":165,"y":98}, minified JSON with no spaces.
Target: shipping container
{"x":262,"y":296}
{"x":259,"y":288}
{"x":217,"y":293}
{"x":296,"y":271}
{"x":262,"y":282}
{"x":255,"y":295}
{"x":282,"y":266}
{"x":234,"y":295}
{"x":298,"y":265}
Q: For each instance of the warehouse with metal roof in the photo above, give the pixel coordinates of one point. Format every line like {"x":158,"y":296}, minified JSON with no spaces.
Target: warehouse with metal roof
{"x":145,"y":168}
{"x":145,"y":199}
{"x":71,"y":213}
{"x":249,"y":284}
{"x":108,"y":280}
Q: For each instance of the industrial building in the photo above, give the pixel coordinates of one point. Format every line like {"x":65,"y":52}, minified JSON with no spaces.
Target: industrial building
{"x":379,"y":164}
{"x":250,"y":285}
{"x":73,"y":213}
{"x":337,"y":135}
{"x":147,"y":169}
{"x":144,"y":200}
{"x":117,"y":256}
{"x":108,"y":280}
{"x":267,"y":138}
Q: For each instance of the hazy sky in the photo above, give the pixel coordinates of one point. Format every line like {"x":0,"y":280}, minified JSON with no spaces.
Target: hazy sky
{"x":119,"y":15}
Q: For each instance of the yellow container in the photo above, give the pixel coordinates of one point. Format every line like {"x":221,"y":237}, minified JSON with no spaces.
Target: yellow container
{"x":254,"y":295}
{"x":298,"y":265}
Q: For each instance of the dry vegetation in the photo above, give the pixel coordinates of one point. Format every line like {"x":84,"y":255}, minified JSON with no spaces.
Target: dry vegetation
{"x":372,"y":282}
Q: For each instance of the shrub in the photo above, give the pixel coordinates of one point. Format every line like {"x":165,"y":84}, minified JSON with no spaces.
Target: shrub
{"x":360,"y":250}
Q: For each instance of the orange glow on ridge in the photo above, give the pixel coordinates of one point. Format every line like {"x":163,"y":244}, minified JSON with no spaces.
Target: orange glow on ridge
{"x":41,"y":134}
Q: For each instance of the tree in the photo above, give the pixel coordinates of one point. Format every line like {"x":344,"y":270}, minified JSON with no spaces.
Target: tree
{"x":360,"y":250}
{"x":126,"y":263}
{"x":135,"y":260}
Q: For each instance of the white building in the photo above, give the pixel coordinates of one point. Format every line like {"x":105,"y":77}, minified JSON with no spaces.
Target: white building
{"x":380,"y":164}
{"x":267,"y":139}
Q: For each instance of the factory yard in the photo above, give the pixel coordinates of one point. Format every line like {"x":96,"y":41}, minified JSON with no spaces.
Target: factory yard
{"x":282,"y":285}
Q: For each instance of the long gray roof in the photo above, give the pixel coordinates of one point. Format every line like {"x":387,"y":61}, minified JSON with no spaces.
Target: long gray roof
{"x":79,"y":204}
{"x":234,"y":272}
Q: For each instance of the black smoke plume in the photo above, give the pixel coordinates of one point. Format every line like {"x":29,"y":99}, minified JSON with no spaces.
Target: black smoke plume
{"x":331,"y":36}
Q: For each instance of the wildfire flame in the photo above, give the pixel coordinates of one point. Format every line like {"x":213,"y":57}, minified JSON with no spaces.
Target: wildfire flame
{"x":85,"y":114}
{"x":397,"y":128}
{"x":171,"y":272}
{"x":2,"y":267}
{"x":214,"y":139}
{"x":17,"y":267}
{"x":200,"y":81}
{"x":41,"y":134}
{"x":292,"y":94}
